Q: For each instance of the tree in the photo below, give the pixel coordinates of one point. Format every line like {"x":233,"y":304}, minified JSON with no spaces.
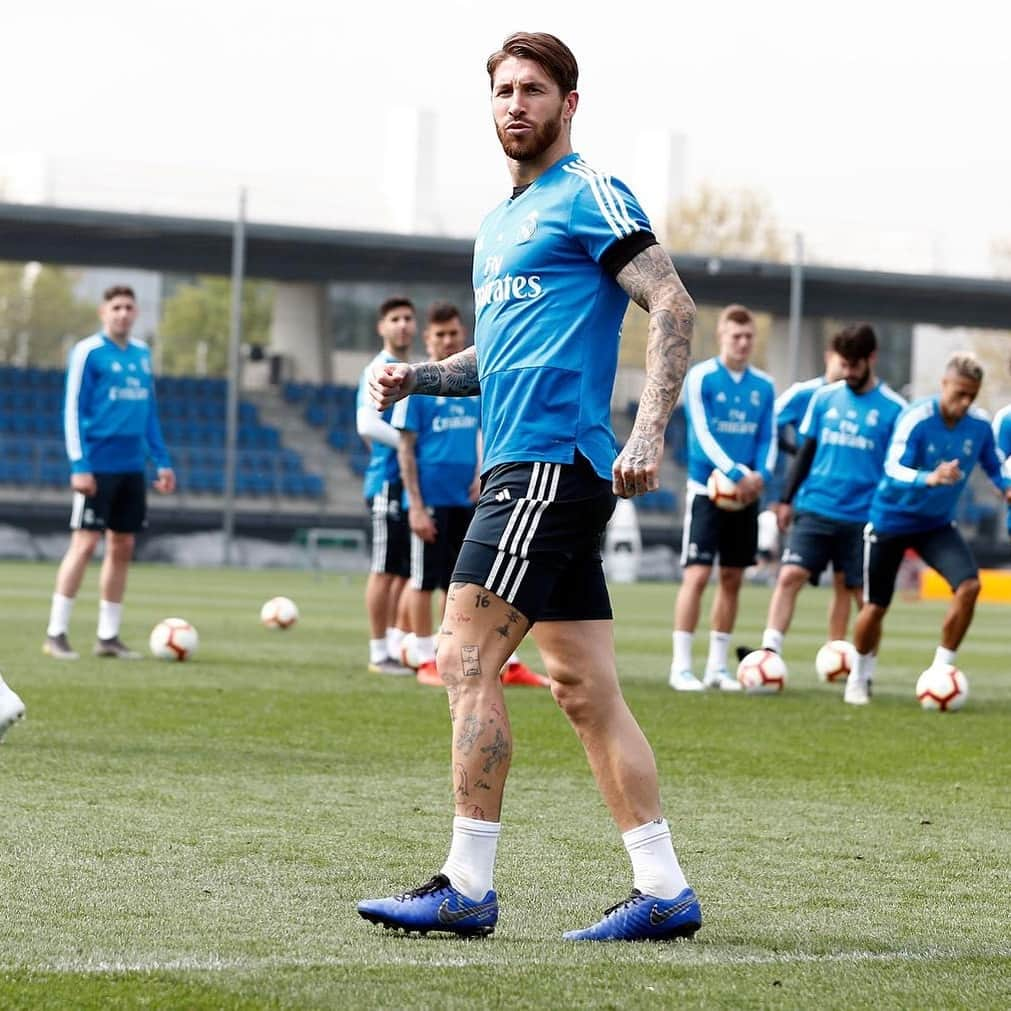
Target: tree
{"x":39,"y":314}
{"x":200,"y":313}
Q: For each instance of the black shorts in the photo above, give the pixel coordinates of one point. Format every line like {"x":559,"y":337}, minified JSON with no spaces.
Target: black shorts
{"x":815,"y":541}
{"x":391,"y":544}
{"x":432,"y":564}
{"x":119,"y":504}
{"x":535,"y":540}
{"x":710,"y":532}
{"x":942,"y":548}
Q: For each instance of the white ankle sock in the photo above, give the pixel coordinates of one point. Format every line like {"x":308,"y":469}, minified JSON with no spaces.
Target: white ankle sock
{"x":773,"y":639}
{"x":513,"y":658}
{"x":864,"y":666}
{"x":719,"y":644}
{"x":109,"y":615}
{"x":59,"y":614}
{"x":394,"y":638}
{"x":871,"y":667}
{"x":424,"y":647}
{"x":471,"y":861}
{"x":655,"y":866}
{"x":944,"y":657}
{"x":377,"y":650}
{"x":682,"y":651}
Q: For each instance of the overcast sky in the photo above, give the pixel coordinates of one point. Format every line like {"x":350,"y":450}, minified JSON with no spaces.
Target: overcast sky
{"x":879,"y":129}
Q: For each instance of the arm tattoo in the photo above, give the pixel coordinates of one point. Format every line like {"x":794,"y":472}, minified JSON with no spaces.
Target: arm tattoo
{"x":652,"y":283}
{"x":455,"y":376}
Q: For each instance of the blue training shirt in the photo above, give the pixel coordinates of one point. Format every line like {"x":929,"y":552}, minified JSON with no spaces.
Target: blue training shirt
{"x":853,"y":431}
{"x":446,"y":447}
{"x":791,"y":404}
{"x":383,"y":465}
{"x":548,"y":317}
{"x":110,"y":419}
{"x":1002,"y":436}
{"x":903,"y":502}
{"x":730,"y":422}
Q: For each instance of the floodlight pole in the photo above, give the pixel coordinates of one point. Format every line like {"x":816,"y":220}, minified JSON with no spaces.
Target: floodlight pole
{"x":234,"y":343}
{"x":796,"y":305}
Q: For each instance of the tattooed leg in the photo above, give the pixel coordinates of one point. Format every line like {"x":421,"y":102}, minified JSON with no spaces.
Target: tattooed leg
{"x":483,"y":631}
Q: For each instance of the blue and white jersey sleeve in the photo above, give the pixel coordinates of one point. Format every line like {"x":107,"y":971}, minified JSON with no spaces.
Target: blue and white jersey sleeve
{"x":1002,"y":436}
{"x":906,"y":446}
{"x":603,"y":211}
{"x":156,"y":447}
{"x":792,"y":404}
{"x":992,"y":461}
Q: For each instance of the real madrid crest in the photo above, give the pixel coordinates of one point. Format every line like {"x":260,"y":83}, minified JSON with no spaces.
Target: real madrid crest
{"x":527,"y":228}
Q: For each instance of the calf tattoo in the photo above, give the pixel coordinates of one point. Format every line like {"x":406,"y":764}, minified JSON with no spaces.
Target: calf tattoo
{"x":497,"y":752}
{"x":469,"y":733}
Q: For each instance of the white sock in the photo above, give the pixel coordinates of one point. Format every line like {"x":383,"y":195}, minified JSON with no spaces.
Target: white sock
{"x":424,"y":646}
{"x":394,"y":638}
{"x":513,"y":658}
{"x":471,"y":860}
{"x":109,"y":615}
{"x":944,"y":657}
{"x":864,"y":667}
{"x":872,"y":665}
{"x":719,"y":643}
{"x":377,"y":650}
{"x":682,"y":651}
{"x":59,"y":614}
{"x":655,"y":866}
{"x":773,"y":639}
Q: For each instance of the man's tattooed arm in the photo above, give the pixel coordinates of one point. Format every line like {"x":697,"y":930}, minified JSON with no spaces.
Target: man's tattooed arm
{"x":652,"y":283}
{"x":455,"y":376}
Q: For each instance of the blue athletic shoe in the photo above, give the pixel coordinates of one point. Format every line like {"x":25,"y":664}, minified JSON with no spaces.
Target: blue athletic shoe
{"x":436,"y":905}
{"x":645,"y":918}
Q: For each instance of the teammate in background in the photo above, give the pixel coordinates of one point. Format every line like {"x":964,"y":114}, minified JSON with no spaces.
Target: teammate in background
{"x":729,"y":409}
{"x":12,"y":708}
{"x":554,"y":265}
{"x":937,"y":442}
{"x":111,"y":426}
{"x":1002,"y":436}
{"x":842,"y":444}
{"x":383,"y":491}
{"x":791,"y":406}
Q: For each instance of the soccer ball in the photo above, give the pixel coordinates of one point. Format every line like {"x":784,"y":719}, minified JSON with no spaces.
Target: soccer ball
{"x":762,"y":672}
{"x":173,"y":639}
{"x":944,"y":688}
{"x":723,"y":492}
{"x":834,"y":661}
{"x":409,"y":651}
{"x":279,"y":612}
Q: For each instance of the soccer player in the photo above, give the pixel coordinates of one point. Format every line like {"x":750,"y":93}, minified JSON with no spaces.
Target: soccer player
{"x":384,"y":496}
{"x":729,"y":409}
{"x":842,"y":443}
{"x":791,"y":405}
{"x":111,"y":426}
{"x":554,"y":265}
{"x":12,"y":708}
{"x":937,"y":442}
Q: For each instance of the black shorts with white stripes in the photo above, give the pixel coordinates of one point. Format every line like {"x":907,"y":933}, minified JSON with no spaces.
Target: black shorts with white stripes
{"x":391,"y":536}
{"x":432,"y":563}
{"x":535,"y":540}
{"x":119,"y":504}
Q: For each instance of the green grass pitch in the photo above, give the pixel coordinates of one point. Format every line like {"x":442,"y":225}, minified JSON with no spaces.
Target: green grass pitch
{"x":195,"y":835}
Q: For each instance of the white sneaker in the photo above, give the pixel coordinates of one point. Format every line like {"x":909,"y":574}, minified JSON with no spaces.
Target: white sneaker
{"x":857,"y":691}
{"x":685,"y":681}
{"x":12,"y":708}
{"x":721,"y":680}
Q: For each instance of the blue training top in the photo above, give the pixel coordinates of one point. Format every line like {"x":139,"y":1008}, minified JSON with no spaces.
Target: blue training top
{"x":853,"y":431}
{"x":903,"y":502}
{"x":446,"y":447}
{"x":110,"y":419}
{"x":383,"y":465}
{"x":548,"y":317}
{"x":791,"y":404}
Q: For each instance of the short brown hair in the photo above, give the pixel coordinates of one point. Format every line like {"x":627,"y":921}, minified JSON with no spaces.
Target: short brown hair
{"x":735,"y":314}
{"x":442,"y":312}
{"x":117,"y":291}
{"x":855,"y":342}
{"x":547,"y":50}
{"x":395,"y":302}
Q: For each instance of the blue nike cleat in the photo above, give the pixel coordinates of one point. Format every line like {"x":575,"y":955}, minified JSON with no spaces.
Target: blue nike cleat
{"x":645,"y":918}
{"x":436,"y":905}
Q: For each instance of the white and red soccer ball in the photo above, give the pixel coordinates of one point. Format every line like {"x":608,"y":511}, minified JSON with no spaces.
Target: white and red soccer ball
{"x":835,"y":660}
{"x":173,"y":639}
{"x":762,"y":672}
{"x":944,"y":688}
{"x":723,"y":492}
{"x":279,"y":612}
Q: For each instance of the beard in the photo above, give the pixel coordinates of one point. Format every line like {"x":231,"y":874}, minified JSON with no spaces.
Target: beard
{"x":534,"y":144}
